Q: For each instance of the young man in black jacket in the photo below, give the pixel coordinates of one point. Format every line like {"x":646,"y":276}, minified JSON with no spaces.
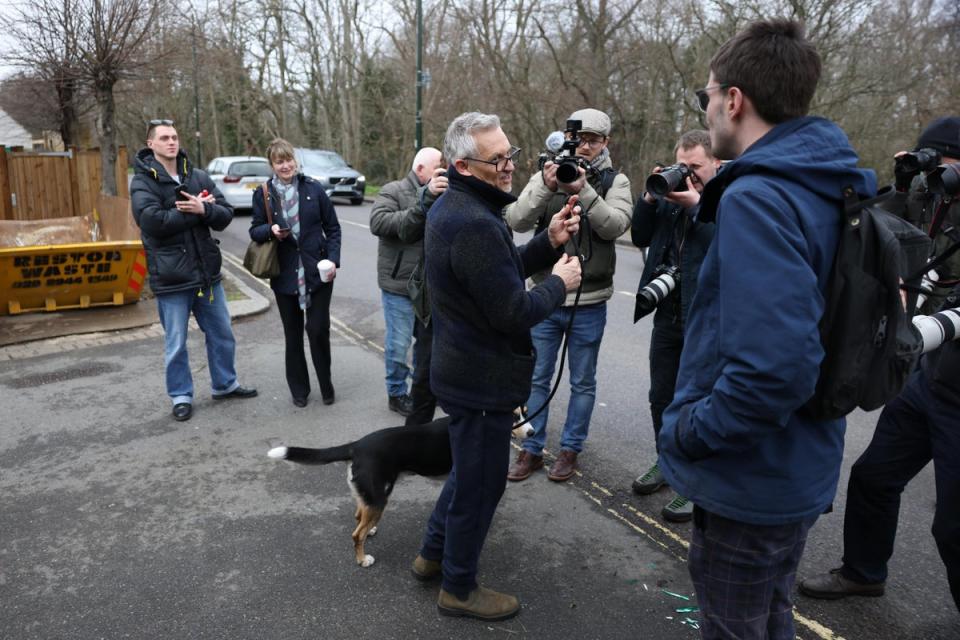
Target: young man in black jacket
{"x":674,"y":239}
{"x":482,"y":351}
{"x":919,"y":425}
{"x":176,"y":206}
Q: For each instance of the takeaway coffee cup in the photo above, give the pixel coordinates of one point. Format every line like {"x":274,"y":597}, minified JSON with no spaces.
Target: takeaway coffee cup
{"x":326,"y":268}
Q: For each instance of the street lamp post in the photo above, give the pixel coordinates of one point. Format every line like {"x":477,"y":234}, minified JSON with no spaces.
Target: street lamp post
{"x":418,"y":138}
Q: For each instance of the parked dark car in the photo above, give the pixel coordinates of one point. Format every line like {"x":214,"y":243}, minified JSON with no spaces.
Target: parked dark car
{"x":339,"y":179}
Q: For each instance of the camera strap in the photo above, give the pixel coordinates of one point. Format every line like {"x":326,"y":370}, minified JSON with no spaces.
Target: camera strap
{"x":573,"y":313}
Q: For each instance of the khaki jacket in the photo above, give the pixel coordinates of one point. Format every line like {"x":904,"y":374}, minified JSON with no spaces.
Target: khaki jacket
{"x":608,"y":218}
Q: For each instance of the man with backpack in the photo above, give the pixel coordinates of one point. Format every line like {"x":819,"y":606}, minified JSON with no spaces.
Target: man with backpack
{"x":920,"y":424}
{"x":606,"y":202}
{"x":735,"y":439}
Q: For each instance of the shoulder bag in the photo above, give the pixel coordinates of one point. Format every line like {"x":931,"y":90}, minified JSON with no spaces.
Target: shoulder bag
{"x":261,"y":258}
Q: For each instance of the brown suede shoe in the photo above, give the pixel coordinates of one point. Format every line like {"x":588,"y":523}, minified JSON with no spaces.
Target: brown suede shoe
{"x":425,"y":570}
{"x":564,"y":466}
{"x":833,"y":586}
{"x":525,"y":464}
{"x":482,"y":603}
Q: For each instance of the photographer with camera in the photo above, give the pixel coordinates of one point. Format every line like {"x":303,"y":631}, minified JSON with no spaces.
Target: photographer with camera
{"x":927,"y":196}
{"x":666,"y":225}
{"x":923,"y":421}
{"x":582,"y":167}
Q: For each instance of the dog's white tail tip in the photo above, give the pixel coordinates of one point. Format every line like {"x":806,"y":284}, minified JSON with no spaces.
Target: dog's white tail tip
{"x":278,"y":453}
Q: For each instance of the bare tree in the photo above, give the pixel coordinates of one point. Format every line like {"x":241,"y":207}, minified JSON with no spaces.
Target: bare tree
{"x":112,"y":43}
{"x":45,"y":37}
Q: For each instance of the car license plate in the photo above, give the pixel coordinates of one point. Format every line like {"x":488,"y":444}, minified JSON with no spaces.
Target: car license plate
{"x":252,"y":185}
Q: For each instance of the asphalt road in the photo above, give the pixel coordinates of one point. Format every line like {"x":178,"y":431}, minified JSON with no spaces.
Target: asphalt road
{"x":116,"y":522}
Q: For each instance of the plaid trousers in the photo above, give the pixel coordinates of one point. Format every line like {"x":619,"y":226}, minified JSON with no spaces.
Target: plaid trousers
{"x":743,"y":575}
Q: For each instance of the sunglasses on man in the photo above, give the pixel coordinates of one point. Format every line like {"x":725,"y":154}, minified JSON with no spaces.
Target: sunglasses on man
{"x":703,"y":95}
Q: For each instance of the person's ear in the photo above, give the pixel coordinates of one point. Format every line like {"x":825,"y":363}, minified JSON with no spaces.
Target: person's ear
{"x":735,"y":102}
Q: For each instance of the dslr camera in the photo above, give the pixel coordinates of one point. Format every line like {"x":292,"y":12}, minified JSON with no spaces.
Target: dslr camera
{"x":945,"y":180}
{"x":914,"y":162}
{"x":563,"y":153}
{"x":663,"y":282}
{"x":672,"y":178}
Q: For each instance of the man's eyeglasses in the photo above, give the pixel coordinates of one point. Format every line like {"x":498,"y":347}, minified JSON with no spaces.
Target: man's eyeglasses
{"x":593,"y":143}
{"x":157,"y":123}
{"x":500,"y":162}
{"x":703,"y":96}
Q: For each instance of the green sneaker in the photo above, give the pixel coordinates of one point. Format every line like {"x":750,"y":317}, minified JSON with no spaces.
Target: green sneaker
{"x":650,"y":482}
{"x":679,"y":510}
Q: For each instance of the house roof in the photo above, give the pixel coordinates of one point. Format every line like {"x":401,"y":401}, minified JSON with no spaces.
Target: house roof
{"x":12,"y":134}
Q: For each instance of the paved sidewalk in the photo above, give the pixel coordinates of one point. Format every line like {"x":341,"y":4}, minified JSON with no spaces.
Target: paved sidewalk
{"x":32,"y":334}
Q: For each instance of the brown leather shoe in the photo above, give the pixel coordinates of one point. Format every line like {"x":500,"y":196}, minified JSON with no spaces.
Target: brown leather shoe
{"x":525,"y":464}
{"x":482,"y":603}
{"x":564,"y":466}
{"x":833,"y":586}
{"x":425,"y":570}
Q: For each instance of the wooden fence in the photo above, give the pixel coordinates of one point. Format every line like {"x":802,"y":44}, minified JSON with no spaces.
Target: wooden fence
{"x":39,"y":185}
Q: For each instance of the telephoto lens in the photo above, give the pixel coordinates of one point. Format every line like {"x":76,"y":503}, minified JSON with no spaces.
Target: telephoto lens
{"x":672,"y":178}
{"x":941,"y":327}
{"x":930,"y":279}
{"x":656,"y":290}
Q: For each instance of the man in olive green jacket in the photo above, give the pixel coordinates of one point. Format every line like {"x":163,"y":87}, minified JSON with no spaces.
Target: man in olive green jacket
{"x":607,"y":205}
{"x":397,"y":209}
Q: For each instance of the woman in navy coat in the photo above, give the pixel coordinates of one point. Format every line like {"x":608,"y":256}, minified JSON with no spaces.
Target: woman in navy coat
{"x":306,"y":226}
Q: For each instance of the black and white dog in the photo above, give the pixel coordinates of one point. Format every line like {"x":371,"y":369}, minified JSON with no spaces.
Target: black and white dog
{"x":377,"y":459}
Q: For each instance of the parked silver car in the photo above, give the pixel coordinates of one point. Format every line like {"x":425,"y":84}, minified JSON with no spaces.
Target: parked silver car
{"x":329,"y":169}
{"x":238,"y":176}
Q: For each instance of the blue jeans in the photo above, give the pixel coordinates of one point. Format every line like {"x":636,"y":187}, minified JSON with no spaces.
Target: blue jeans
{"x":398,"y":318}
{"x":582,"y":351}
{"x":214,"y":320}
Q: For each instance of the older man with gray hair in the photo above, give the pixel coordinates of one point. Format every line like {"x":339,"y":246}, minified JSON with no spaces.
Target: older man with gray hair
{"x":482,"y":351}
{"x":397,"y":220}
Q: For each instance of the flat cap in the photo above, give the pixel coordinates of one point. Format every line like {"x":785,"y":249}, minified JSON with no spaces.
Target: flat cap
{"x":594,"y":121}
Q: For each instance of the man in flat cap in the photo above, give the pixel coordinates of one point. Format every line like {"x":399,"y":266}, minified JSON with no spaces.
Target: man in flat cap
{"x":607,"y":204}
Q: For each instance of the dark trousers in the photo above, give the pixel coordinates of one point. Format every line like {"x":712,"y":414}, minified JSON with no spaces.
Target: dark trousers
{"x":744,"y":574}
{"x":915,"y":427}
{"x":318,"y":333}
{"x":480,"y":444}
{"x":423,"y":400}
{"x":666,"y":343}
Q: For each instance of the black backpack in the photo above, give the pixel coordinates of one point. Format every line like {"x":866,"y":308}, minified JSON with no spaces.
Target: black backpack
{"x":870,"y":347}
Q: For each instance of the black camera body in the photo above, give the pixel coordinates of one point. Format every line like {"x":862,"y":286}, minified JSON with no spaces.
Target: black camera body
{"x":565,"y":155}
{"x":945,"y":180}
{"x":913,"y":162}
{"x":672,"y":178}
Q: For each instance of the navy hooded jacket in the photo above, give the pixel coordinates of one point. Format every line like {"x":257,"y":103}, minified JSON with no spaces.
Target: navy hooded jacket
{"x":733,"y":440}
